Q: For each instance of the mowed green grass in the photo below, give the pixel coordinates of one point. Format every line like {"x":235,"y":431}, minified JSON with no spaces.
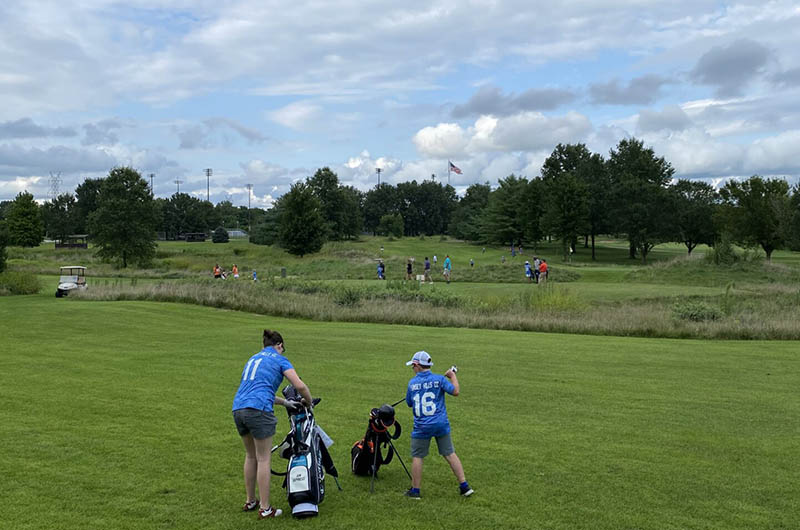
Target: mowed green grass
{"x":117,"y":415}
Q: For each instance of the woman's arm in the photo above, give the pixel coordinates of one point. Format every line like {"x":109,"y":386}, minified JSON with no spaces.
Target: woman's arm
{"x":298,"y":383}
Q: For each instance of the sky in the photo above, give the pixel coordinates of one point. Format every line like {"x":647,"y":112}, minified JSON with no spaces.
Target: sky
{"x":266,"y":92}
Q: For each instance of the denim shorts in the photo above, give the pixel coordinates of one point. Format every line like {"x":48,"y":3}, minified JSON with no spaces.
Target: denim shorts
{"x":261,"y":424}
{"x":420,"y":446}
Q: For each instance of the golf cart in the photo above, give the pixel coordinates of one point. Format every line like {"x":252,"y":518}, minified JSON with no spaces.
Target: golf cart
{"x":72,"y":277}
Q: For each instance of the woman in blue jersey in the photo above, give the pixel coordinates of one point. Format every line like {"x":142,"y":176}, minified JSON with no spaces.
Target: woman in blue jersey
{"x":255,"y":420}
{"x":425,"y":396}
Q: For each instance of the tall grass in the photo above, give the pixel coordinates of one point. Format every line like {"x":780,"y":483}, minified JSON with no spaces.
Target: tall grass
{"x":775,"y":315}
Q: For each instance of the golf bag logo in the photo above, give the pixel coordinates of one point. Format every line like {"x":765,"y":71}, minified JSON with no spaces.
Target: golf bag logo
{"x":298,"y":475}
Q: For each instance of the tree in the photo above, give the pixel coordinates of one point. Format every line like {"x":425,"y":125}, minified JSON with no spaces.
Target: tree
{"x":791,"y":229}
{"x":227,"y":214}
{"x":567,"y":212}
{"x":302,"y":226}
{"x":124,"y":223}
{"x":379,"y":201}
{"x":325,"y":187}
{"x":86,"y":196}
{"x":696,"y":201}
{"x":643,"y":208}
{"x":24,"y":222}
{"x":465,"y":219}
{"x":59,"y":216}
{"x":3,"y":244}
{"x":391,"y":225}
{"x":352,"y":212}
{"x":503,"y":220}
{"x":220,"y":235}
{"x":267,"y":231}
{"x":755,"y":211}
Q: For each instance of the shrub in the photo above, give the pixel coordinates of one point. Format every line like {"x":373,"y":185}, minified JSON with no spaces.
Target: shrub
{"x":347,"y":296}
{"x":392,"y":225}
{"x":220,"y":235}
{"x":696,"y":311}
{"x":13,"y":282}
{"x":723,"y":252}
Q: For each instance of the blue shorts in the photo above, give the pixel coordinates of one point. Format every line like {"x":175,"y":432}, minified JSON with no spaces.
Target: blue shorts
{"x":420,"y":446}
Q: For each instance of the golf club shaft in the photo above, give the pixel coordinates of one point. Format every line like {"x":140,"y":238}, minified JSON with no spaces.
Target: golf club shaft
{"x":395,"y":404}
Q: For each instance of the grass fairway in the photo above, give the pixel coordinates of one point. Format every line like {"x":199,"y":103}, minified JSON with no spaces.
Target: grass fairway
{"x":117,"y":415}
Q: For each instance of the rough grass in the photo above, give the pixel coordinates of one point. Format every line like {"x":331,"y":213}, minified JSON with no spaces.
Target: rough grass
{"x":17,"y":282}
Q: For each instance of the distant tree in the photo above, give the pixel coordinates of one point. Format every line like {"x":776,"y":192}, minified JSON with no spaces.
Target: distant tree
{"x":3,"y":244}
{"x":59,"y":216}
{"x":696,"y":202}
{"x":755,"y":210}
{"x":302,"y":226}
{"x":325,"y":187}
{"x":503,"y":219}
{"x":5,"y":207}
{"x":791,"y":228}
{"x":86,"y":196}
{"x":391,"y":225}
{"x":378,"y":202}
{"x":352,"y":212}
{"x":534,"y":203}
{"x":24,"y":221}
{"x":567,"y":212}
{"x":220,"y":235}
{"x":643,"y":207}
{"x":123,"y":225}
{"x":466,"y":216}
{"x":267,"y":231}
{"x":227,"y":214}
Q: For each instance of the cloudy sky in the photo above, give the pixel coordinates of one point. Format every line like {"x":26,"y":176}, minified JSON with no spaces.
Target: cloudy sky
{"x":266,"y":92}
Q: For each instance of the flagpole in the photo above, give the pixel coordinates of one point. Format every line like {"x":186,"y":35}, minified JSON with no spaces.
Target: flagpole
{"x":448,"y":172}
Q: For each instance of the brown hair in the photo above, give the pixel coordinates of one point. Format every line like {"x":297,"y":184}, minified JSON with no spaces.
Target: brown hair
{"x":271,"y":338}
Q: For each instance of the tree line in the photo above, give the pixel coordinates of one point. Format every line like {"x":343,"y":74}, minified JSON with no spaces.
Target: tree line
{"x":579,"y":195}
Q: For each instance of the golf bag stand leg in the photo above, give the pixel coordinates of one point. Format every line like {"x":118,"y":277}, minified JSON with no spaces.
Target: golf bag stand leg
{"x":399,"y":458}
{"x":374,"y":468}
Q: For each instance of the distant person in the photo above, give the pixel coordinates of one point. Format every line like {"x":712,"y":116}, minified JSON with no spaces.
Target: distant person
{"x":536,"y":263}
{"x":425,"y":395}
{"x":483,"y":250}
{"x":235,"y":272}
{"x":528,"y":271}
{"x":434,"y":259}
{"x":471,"y":262}
{"x":217,"y":271}
{"x":447,"y":268}
{"x":542,"y":271}
{"x":381,"y":249}
{"x":503,"y":258}
{"x":428,"y":270}
{"x":513,"y":252}
{"x":255,"y":276}
{"x":255,"y":419}
{"x":520,"y":249}
{"x":381,"y":271}
{"x":409,"y":270}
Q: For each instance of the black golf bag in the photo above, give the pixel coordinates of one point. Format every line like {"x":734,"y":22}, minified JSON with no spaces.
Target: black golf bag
{"x":306,"y":450}
{"x":376,"y":448}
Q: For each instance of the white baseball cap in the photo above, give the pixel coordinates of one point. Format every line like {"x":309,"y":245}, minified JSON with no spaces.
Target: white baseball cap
{"x":421,"y":358}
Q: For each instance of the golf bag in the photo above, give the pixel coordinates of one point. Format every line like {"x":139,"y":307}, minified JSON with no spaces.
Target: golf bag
{"x":376,"y":448}
{"x":306,"y":449}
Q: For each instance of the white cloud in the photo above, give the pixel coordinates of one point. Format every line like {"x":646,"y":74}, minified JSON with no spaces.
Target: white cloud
{"x":300,"y":115}
{"x":442,"y":141}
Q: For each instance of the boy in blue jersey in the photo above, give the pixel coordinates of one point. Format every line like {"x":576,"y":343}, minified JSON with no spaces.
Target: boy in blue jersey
{"x":425,"y":396}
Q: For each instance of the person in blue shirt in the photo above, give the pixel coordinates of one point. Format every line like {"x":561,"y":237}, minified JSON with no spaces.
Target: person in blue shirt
{"x":448,"y":266}
{"x":425,"y":396}
{"x":254,"y":418}
{"x":528,"y":271}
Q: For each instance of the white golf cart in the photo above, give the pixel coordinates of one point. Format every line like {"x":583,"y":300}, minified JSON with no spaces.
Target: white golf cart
{"x":72,"y":277}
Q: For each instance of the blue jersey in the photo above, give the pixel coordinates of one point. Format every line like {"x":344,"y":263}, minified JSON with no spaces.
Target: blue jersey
{"x":261,"y":377}
{"x":425,"y":396}
{"x":447,"y":263}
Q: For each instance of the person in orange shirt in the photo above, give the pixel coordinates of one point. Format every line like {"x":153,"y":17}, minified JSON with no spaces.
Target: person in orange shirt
{"x":217,"y":271}
{"x":542,"y":271}
{"x":235,"y":271}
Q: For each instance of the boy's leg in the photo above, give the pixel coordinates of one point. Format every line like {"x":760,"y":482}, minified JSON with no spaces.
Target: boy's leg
{"x":416,"y":472}
{"x":455,"y":465}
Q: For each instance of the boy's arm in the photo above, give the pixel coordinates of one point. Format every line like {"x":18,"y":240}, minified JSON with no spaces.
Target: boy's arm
{"x":451,"y":375}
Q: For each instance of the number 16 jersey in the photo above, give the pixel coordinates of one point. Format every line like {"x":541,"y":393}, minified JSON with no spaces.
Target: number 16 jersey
{"x":425,"y":396}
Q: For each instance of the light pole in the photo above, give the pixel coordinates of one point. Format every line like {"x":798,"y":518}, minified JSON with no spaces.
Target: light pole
{"x":152,"y":193}
{"x":208,"y":181}
{"x":178,"y":183}
{"x":249,"y":193}
{"x":378,"y":171}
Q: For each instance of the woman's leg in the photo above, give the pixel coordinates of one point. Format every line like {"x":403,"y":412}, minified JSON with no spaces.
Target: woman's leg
{"x":250,"y":467}
{"x":263,"y":454}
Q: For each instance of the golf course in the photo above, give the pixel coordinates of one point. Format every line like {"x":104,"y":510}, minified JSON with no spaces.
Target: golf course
{"x":616,"y":395}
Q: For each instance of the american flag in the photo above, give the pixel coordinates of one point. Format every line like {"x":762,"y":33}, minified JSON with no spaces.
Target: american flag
{"x":454,"y":168}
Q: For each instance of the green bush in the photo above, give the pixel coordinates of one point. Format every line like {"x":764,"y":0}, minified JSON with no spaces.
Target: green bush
{"x":696,"y":311}
{"x":220,"y":235}
{"x":14,"y":282}
{"x":723,"y":252}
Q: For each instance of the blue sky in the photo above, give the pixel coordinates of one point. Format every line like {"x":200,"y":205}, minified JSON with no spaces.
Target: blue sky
{"x":267,"y":92}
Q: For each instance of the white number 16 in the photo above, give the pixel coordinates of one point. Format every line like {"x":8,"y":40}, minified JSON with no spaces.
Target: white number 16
{"x":428,"y":407}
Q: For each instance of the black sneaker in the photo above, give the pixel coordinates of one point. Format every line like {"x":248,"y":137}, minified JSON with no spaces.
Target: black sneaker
{"x":412,"y":494}
{"x":466,"y":492}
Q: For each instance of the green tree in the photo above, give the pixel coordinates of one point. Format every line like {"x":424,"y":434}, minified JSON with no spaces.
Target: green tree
{"x":123,"y":225}
{"x":268,"y":230}
{"x":391,"y":225}
{"x":379,"y":201}
{"x":3,"y":244}
{"x":59,"y":216}
{"x":466,"y":216}
{"x":86,"y":196}
{"x":25,"y":225}
{"x":220,"y":235}
{"x":352,"y":212}
{"x":227,"y":214}
{"x":503,"y":219}
{"x":567,"y":212}
{"x":302,"y":226}
{"x":696,"y":202}
{"x":325,"y":187}
{"x":755,"y":211}
{"x":643,"y":207}
{"x":791,"y":229}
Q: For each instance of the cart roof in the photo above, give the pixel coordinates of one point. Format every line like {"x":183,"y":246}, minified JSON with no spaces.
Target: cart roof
{"x":73,"y":267}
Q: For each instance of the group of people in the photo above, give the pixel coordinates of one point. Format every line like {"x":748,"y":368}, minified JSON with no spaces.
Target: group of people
{"x":221,"y":274}
{"x":447,"y":268}
{"x":253,"y":415}
{"x":537,"y":272}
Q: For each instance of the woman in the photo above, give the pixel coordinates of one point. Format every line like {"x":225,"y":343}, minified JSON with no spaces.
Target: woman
{"x":254,"y":418}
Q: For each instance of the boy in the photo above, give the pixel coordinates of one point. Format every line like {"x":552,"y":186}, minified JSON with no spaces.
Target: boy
{"x":425,"y":396}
